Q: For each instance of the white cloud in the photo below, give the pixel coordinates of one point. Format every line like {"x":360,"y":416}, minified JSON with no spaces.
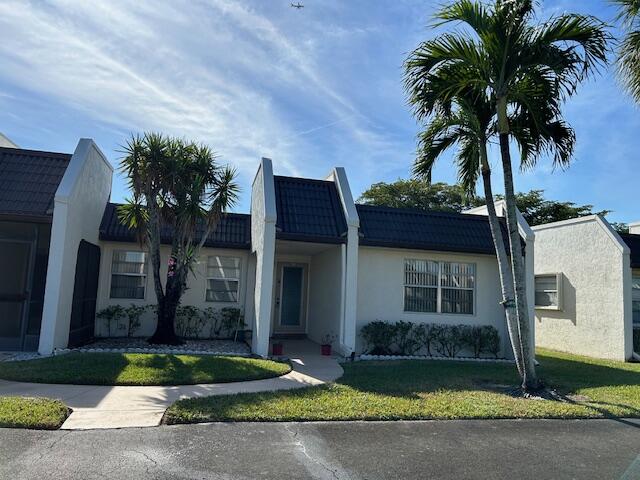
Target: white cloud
{"x":208,"y":70}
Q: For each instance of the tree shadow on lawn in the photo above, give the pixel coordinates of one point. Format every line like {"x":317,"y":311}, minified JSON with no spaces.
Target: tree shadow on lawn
{"x":136,"y":369}
{"x":411,"y":376}
{"x":397,"y":389}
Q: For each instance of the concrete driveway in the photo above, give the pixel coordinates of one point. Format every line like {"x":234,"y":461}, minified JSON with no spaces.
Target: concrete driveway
{"x":505,"y":449}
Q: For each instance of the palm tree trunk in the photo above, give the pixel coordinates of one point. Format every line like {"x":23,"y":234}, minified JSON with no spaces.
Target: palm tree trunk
{"x":506,"y":277}
{"x":529,"y":379}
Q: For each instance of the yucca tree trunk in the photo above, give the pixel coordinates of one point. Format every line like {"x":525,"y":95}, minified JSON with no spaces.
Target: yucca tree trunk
{"x":529,"y":378}
{"x":504,"y":269}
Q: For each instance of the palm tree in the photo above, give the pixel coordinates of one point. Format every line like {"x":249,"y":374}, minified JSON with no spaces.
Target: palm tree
{"x":175,"y":184}
{"x":526,"y":70}
{"x":469,"y":123}
{"x":629,"y":53}
{"x":469,"y":126}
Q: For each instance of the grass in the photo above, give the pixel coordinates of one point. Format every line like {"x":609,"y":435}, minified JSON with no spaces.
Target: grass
{"x":40,"y":413}
{"x":415,"y":389}
{"x":140,"y":369}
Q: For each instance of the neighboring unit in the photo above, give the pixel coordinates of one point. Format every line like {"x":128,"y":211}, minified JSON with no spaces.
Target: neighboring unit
{"x":307,"y":262}
{"x":587,"y":283}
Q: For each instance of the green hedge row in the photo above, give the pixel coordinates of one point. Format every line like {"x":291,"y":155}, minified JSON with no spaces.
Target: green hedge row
{"x":407,"y":338}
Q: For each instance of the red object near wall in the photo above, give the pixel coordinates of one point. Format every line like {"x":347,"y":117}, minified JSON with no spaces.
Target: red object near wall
{"x":325,"y":350}
{"x":276,"y":349}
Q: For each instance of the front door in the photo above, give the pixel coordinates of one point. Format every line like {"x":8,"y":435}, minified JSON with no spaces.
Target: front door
{"x":15,"y":258}
{"x":291,"y":298}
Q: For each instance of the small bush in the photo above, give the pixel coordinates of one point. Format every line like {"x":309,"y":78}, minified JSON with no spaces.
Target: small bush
{"x":449,"y":340}
{"x":189,"y":321}
{"x":404,"y":338}
{"x":636,"y":340}
{"x":232,"y":321}
{"x":481,"y":339}
{"x":425,"y":334}
{"x":112,"y":315}
{"x":378,"y":336}
{"x":134,"y":313}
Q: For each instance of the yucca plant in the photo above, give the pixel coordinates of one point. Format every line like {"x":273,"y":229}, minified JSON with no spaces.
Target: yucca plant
{"x":179,"y":185}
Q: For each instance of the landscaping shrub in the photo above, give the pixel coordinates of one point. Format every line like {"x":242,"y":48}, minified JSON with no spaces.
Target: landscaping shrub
{"x":636,"y":340}
{"x":189,"y":321}
{"x":425,"y":335}
{"x":378,"y":337}
{"x":112,"y":315}
{"x":232,"y":321}
{"x":481,"y":339}
{"x":449,"y":340}
{"x":134,"y":313}
{"x":407,"y":338}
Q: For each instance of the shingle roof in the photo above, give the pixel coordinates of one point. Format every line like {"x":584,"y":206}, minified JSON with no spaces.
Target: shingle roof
{"x":633,"y":242}
{"x":308,"y":210}
{"x":29,"y":180}
{"x":234,"y":230}
{"x":426,"y":230}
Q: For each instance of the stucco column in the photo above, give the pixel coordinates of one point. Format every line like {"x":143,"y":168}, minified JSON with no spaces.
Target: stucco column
{"x":263,"y":243}
{"x":79,"y":205}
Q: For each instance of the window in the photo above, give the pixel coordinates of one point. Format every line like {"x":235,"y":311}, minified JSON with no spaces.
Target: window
{"x":223,"y":279}
{"x":549,"y":291}
{"x":128,"y":274}
{"x":439,"y":287}
{"x":635,"y":298}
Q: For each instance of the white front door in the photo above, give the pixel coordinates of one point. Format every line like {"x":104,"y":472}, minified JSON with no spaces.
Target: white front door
{"x":291,"y":303}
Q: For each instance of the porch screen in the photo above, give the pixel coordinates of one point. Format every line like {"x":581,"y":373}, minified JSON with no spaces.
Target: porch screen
{"x":223,"y":279}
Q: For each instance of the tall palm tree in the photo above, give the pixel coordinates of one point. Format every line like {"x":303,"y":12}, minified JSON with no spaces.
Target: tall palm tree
{"x":469,"y":123}
{"x":629,"y":54}
{"x":526,"y":70}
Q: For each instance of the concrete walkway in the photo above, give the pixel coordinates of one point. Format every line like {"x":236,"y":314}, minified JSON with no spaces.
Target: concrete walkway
{"x":121,"y":406}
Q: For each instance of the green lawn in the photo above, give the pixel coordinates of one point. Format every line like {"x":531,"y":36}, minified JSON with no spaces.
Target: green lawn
{"x":415,"y":389}
{"x":40,"y":413}
{"x":140,"y":369}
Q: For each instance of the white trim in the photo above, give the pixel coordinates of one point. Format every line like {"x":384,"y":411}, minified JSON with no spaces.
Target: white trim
{"x":339,"y":176}
{"x":74,"y":169}
{"x":602,"y":223}
{"x":269,"y":189}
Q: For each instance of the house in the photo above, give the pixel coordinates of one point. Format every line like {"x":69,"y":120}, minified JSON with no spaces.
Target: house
{"x":307,"y":261}
{"x":587,"y":287}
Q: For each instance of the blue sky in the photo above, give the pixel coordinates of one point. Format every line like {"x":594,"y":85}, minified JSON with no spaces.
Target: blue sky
{"x":309,"y":88}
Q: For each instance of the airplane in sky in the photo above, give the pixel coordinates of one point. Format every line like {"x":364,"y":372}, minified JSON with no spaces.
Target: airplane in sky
{"x":297,"y":5}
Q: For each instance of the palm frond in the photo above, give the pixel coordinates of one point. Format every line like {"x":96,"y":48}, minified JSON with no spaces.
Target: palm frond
{"x":628,"y":64}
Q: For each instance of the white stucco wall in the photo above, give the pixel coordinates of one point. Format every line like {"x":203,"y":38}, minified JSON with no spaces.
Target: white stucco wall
{"x":79,"y":204}
{"x":595,"y":266}
{"x":325,"y":294}
{"x":381,"y":291}
{"x":263,"y":246}
{"x":195,"y":295}
{"x":347,"y":331}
